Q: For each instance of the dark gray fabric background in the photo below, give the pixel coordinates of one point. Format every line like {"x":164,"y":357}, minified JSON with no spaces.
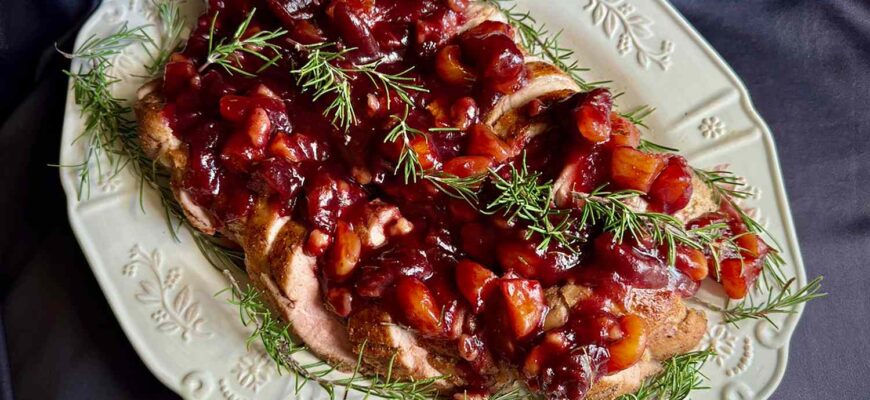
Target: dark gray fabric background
{"x":807,"y":66}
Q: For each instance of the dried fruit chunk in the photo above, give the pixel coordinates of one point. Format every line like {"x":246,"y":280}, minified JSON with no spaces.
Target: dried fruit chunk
{"x":524,"y":305}
{"x":482,"y":141}
{"x":592,"y":115}
{"x":623,"y":132}
{"x":520,"y":257}
{"x":449,"y":67}
{"x":419,"y":306}
{"x":634,"y":169}
{"x":344,"y":254}
{"x":474,"y":282}
{"x":340,"y":299}
{"x":467,"y":166}
{"x":738,"y":275}
{"x":691,"y":262}
{"x":627,"y":351}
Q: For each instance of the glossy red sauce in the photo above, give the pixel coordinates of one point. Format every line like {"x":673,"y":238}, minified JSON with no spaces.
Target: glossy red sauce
{"x":473,"y":280}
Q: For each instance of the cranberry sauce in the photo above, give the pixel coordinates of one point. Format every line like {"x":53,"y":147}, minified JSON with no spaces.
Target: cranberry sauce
{"x":472,"y":280}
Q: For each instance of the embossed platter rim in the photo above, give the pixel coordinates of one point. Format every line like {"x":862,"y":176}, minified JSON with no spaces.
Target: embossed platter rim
{"x":192,"y":340}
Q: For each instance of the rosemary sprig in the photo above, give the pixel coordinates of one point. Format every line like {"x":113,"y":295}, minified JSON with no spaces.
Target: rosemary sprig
{"x":648,"y":146}
{"x":523,"y":197}
{"x":321,"y":74}
{"x":412,"y":170}
{"x":408,"y":163}
{"x":456,"y":187}
{"x":681,"y":375}
{"x":400,"y":83}
{"x":723,"y":184}
{"x":538,"y":41}
{"x":104,"y":114}
{"x":102,"y":48}
{"x":280,"y":345}
{"x":638,"y":115}
{"x":171,"y":28}
{"x":613,"y":211}
{"x":224,"y":52}
{"x":781,"y":302}
{"x":726,"y":187}
{"x":111,"y":134}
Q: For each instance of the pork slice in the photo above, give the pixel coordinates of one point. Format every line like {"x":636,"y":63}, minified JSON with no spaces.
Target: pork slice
{"x":626,"y":381}
{"x":544,"y":79}
{"x":477,"y":12}
{"x":278,"y":265}
{"x":703,"y":200}
{"x":160,"y":144}
{"x":155,"y":135}
{"x":386,"y":343}
{"x":672,"y":327}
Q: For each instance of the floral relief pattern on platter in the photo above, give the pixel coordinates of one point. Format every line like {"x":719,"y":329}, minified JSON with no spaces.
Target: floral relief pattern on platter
{"x":734,"y":352}
{"x":619,"y":17}
{"x":175,"y":310}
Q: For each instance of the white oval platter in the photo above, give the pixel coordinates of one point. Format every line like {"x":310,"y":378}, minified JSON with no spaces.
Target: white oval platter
{"x":163,"y":292}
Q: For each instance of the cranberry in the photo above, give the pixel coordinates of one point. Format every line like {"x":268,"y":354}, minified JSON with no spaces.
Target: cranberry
{"x":328,"y":198}
{"x":432,"y":31}
{"x":234,"y":108}
{"x":586,"y":167}
{"x":672,"y":189}
{"x":176,"y":77}
{"x":453,"y":309}
{"x":239,"y":154}
{"x":279,"y":176}
{"x":462,"y":211}
{"x":477,"y":240}
{"x":596,"y":327}
{"x":215,"y":87}
{"x":592,"y":115}
{"x":373,"y":281}
{"x":572,"y":375}
{"x":202,"y":177}
{"x":235,"y":201}
{"x":498,"y":60}
{"x":354,"y":29}
{"x":633,"y":261}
